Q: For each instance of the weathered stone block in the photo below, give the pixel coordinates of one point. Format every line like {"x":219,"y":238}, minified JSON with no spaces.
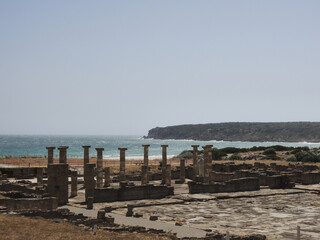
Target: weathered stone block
{"x":58,"y":182}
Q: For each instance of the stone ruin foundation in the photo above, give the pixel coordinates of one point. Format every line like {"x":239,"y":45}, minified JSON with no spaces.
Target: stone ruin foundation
{"x":100,"y":185}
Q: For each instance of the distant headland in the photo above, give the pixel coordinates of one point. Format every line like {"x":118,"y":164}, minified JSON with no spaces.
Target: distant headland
{"x":242,"y":131}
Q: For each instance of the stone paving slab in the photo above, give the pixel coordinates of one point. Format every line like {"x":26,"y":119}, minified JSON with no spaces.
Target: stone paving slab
{"x":181,"y":231}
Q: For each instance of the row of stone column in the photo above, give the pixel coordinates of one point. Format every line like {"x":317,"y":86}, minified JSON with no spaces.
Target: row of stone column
{"x":166,"y":168}
{"x":122,"y":174}
{"x":62,"y":154}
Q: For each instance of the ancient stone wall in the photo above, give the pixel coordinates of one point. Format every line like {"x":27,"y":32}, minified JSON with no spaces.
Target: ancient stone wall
{"x":58,"y":182}
{"x":235,"y":185}
{"x":310,"y":178}
{"x":30,"y":203}
{"x":132,"y":193}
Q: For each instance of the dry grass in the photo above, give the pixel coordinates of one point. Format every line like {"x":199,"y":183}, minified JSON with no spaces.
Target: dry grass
{"x":135,"y":165}
{"x":131,"y":165}
{"x":22,"y":228}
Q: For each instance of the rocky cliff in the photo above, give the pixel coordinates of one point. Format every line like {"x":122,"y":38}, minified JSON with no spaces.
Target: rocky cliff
{"x":242,"y":131}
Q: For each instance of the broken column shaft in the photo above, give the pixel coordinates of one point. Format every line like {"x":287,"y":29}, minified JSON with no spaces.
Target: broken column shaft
{"x":182,"y":170}
{"x":195,"y":161}
{"x":86,"y":159}
{"x":107,"y":179}
{"x":99,"y":167}
{"x":50,"y":154}
{"x":74,"y":183}
{"x":164,"y":163}
{"x":146,"y":154}
{"x":122,"y":174}
{"x":207,"y":163}
{"x":168,"y":175}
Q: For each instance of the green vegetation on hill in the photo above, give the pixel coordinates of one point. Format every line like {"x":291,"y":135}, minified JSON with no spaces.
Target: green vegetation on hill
{"x":294,"y":154}
{"x":242,"y":131}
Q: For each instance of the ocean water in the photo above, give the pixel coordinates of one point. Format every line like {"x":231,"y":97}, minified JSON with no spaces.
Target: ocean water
{"x":27,"y":145}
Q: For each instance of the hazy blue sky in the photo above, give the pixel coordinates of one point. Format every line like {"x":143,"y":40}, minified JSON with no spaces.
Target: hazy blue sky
{"x":123,"y":67}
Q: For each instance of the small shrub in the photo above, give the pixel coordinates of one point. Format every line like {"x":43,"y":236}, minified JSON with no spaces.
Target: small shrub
{"x":185,"y":154}
{"x":269,"y":151}
{"x":235,"y":157}
{"x":272,"y":157}
{"x":233,"y":150}
{"x":218,"y":154}
{"x":304,"y":156}
{"x":291,"y":159}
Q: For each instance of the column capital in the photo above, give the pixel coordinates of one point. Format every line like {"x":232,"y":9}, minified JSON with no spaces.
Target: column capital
{"x":63,"y":147}
{"x":207,"y":147}
{"x":86,"y":146}
{"x":164,"y":146}
{"x":145,"y":145}
{"x":195,"y":146}
{"x":99,"y":149}
{"x":122,"y":149}
{"x":50,"y":148}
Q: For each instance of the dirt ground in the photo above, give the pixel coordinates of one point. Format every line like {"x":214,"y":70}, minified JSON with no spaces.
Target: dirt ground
{"x":22,"y":228}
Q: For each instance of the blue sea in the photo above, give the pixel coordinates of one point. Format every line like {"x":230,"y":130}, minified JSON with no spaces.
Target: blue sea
{"x":32,"y":145}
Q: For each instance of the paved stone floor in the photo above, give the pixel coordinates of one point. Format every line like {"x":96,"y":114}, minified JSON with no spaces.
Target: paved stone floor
{"x":274,"y":213}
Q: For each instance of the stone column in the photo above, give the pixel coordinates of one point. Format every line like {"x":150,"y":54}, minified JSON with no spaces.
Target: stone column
{"x":182,"y":170}
{"x":210,"y":162}
{"x":168,"y":175}
{"x":146,"y":154}
{"x":107,"y":179}
{"x":207,"y":163}
{"x":99,"y":167}
{"x":86,"y":157}
{"x":58,"y":182}
{"x":122,"y":175}
{"x":39,"y":177}
{"x":63,"y":154}
{"x":90,"y":182}
{"x":74,"y":183}
{"x":50,"y":154}
{"x":164,"y":163}
{"x":195,"y":161}
{"x":201,"y":167}
{"x":144,"y":175}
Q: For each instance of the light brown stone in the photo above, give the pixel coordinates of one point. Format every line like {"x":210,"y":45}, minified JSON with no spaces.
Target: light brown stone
{"x":164,"y":163}
{"x":99,"y":167}
{"x":122,"y":175}
{"x":63,"y":154}
{"x":195,"y":161}
{"x":50,"y":154}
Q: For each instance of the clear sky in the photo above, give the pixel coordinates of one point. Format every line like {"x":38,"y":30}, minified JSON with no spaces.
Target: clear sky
{"x":124,"y":67}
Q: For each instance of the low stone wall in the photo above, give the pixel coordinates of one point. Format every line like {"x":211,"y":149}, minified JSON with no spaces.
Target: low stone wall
{"x":279,"y":182}
{"x":263,"y":179}
{"x":25,"y":188}
{"x":278,"y":168}
{"x":29,"y":203}
{"x":131,"y":193}
{"x":245,"y":174}
{"x":310,"y":178}
{"x":222,"y":176}
{"x":20,"y":172}
{"x":235,"y":185}
{"x":260,"y":165}
{"x":307,"y":168}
